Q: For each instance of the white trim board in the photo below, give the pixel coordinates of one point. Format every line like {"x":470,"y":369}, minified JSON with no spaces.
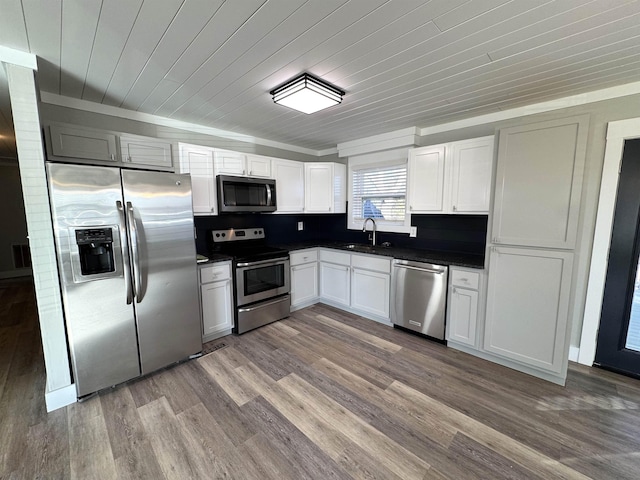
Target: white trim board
{"x":84,"y":105}
{"x":61,"y":397}
{"x":617,"y":133}
{"x":18,"y":57}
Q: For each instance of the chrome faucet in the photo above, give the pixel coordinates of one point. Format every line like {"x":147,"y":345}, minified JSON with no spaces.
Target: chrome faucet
{"x":373,"y":232}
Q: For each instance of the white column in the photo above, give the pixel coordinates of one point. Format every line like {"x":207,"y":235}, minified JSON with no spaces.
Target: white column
{"x":24,"y":104}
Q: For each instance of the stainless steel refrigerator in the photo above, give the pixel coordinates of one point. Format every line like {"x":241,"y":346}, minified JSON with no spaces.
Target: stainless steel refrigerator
{"x":125,"y":247}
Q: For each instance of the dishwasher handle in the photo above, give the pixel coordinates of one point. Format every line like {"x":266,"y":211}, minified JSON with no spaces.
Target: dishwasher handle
{"x":428,"y":270}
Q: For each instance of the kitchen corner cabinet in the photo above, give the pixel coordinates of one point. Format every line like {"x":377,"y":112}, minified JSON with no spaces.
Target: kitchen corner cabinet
{"x":539,"y":177}
{"x":452,"y":178}
{"x":528,"y":306}
{"x":371,"y":285}
{"x":198,"y":162}
{"x":147,"y":151}
{"x":289,"y":176}
{"x":463,"y":307}
{"x":216,"y":295}
{"x":304,"y":278}
{"x":325,"y":187}
{"x":335,"y":278}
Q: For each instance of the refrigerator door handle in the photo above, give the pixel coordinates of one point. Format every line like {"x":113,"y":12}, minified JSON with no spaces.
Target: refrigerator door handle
{"x":125,"y":254}
{"x":135,"y":253}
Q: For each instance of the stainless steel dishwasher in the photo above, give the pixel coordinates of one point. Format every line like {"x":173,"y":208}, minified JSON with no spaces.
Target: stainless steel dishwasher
{"x":419,"y":297}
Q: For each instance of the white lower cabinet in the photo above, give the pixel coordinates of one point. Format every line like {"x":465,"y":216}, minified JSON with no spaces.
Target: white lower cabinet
{"x":216,"y":296}
{"x":371,"y":285}
{"x":304,"y":278}
{"x":358,"y":283}
{"x":528,"y":306}
{"x":335,"y":283}
{"x":463,"y":306}
{"x":370,"y":291}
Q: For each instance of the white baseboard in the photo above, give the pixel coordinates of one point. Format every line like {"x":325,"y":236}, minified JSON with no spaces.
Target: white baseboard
{"x":61,"y":397}
{"x":23,"y":272}
{"x":574,"y":353}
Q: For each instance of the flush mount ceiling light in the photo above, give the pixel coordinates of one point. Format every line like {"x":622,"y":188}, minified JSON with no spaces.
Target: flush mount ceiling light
{"x":307,"y":94}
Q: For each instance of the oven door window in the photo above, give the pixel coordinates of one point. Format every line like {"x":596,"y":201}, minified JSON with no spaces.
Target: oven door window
{"x":263,"y":279}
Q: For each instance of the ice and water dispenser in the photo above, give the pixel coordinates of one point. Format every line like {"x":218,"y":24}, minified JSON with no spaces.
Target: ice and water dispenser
{"x":95,"y":251}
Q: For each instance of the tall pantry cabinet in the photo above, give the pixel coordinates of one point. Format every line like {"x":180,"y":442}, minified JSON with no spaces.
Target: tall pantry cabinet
{"x":534,"y":225}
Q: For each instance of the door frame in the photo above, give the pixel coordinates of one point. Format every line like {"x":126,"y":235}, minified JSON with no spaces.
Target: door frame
{"x":617,"y":133}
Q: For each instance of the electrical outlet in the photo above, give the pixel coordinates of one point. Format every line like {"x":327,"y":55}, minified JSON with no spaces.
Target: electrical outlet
{"x":300,"y":226}
{"x":413,"y":232}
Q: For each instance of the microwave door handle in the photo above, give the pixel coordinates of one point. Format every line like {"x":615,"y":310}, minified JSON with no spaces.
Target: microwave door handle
{"x":268,"y":194}
{"x":135,"y":252}
{"x":124,"y":240}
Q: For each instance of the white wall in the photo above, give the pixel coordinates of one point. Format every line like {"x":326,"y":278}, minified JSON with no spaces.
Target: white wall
{"x":14,"y":226}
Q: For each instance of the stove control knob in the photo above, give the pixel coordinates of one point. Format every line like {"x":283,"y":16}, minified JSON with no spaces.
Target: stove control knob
{"x":224,"y":234}
{"x":255,"y":232}
{"x":217,"y":235}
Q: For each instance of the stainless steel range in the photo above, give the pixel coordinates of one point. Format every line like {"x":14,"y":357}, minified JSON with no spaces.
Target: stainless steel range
{"x":262,"y":282}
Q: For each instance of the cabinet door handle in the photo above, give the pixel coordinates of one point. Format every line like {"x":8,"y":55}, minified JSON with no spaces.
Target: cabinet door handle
{"x":410,"y":207}
{"x":454,"y":208}
{"x":243,"y":172}
{"x":113,"y":157}
{"x":250,"y":172}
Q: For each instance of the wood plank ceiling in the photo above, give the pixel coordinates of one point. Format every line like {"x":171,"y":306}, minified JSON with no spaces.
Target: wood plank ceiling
{"x":403,"y":63}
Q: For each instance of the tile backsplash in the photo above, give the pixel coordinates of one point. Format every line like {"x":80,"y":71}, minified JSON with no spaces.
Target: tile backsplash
{"x":446,"y":233}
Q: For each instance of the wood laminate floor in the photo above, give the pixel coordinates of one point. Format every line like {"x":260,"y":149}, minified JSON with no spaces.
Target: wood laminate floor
{"x":321,"y":395}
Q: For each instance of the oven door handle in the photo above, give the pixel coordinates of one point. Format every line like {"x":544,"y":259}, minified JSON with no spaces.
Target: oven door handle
{"x":273,"y":261}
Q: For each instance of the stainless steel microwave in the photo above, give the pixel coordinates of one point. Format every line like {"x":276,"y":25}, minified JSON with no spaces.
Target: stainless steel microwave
{"x":246,"y":194}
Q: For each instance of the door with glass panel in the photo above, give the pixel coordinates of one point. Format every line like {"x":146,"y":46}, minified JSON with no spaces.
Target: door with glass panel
{"x":618,"y":346}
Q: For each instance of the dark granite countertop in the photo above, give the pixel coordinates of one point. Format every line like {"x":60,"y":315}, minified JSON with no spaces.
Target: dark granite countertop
{"x":427,"y":256}
{"x":215,"y":258}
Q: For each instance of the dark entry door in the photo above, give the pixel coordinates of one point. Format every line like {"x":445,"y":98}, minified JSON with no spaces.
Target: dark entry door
{"x":618,"y":346}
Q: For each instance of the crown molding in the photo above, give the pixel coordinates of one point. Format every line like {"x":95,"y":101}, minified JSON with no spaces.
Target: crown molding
{"x":78,"y":104}
{"x":406,"y":137}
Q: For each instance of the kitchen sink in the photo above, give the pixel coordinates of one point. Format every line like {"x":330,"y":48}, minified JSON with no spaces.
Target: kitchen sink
{"x":360,"y":247}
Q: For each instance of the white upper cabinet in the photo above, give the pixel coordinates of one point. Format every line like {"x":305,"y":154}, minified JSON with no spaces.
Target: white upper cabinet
{"x":235,"y":163}
{"x":145,"y":151}
{"x":229,"y":163}
{"x":426,"y":179}
{"x":198,"y":162}
{"x":84,"y":143}
{"x":289,"y":176}
{"x":325,"y":187}
{"x":539,"y":182}
{"x":470,"y":184}
{"x":451,"y":178}
{"x":258,"y":166}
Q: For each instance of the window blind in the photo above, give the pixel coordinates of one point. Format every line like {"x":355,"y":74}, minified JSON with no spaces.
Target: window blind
{"x":380,"y":193}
